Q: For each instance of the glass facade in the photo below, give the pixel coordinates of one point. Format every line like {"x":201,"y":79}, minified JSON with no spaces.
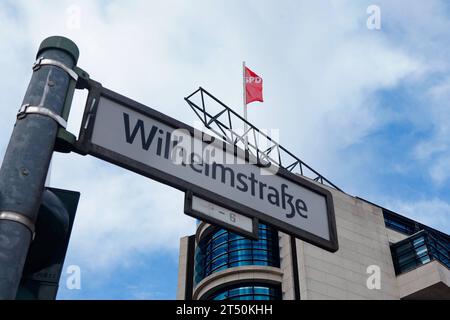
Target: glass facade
{"x":419,"y":249}
{"x":221,"y":249}
{"x":398,"y":223}
{"x":249,"y":291}
{"x":423,"y":245}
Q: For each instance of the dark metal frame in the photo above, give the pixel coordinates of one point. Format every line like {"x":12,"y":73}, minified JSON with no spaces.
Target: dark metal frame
{"x":228,"y":134}
{"x":190,"y":261}
{"x":392,"y":221}
{"x":436,"y":249}
{"x":200,"y":215}
{"x":295,"y":275}
{"x":85,"y":146}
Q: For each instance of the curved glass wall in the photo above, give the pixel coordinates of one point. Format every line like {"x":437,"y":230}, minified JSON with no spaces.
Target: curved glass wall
{"x":222,"y":249}
{"x":248,"y":291}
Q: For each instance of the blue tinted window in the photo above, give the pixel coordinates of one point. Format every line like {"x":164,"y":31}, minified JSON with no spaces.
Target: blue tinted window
{"x":250,"y":291}
{"x":222,"y":249}
{"x":419,"y":249}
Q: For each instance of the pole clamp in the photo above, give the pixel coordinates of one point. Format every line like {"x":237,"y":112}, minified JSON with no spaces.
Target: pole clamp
{"x":26,"y":108}
{"x":50,"y":62}
{"x":20,"y":218}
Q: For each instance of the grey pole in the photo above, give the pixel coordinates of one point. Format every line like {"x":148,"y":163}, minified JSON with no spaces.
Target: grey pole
{"x":24,"y":169}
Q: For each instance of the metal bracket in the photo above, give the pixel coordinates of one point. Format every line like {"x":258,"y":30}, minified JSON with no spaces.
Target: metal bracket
{"x":50,"y":62}
{"x":20,"y":218}
{"x":83,"y":78}
{"x":26,"y":108}
{"x":65,"y":141}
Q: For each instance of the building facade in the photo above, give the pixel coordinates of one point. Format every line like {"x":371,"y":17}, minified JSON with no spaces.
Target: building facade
{"x":381,"y":255}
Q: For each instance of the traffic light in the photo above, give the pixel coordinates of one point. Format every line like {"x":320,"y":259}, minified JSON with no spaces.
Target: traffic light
{"x":45,"y":259}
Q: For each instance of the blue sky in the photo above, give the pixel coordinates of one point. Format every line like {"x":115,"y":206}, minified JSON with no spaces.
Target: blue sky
{"x":369,"y":109}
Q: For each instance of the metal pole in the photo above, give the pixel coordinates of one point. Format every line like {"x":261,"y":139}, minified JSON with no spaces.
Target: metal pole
{"x":27,"y":158}
{"x":245,"y":104}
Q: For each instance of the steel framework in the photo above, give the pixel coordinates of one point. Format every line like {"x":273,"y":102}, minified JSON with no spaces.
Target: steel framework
{"x":224,"y":122}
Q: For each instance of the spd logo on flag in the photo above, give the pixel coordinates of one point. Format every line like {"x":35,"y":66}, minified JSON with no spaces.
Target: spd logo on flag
{"x":253,"y":86}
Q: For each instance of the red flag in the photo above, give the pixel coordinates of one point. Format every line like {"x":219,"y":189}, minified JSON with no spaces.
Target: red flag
{"x":253,"y":86}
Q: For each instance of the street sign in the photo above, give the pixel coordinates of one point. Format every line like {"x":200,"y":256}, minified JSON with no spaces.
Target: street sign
{"x":136,"y":137}
{"x":218,"y":215}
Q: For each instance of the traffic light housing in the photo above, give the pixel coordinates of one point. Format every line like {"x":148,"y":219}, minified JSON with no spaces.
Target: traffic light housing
{"x":45,"y":259}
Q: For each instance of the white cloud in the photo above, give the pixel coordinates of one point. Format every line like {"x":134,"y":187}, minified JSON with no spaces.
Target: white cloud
{"x":431,"y":212}
{"x":422,"y":29}
{"x":320,"y":65}
{"x":120,"y":213}
{"x":434,"y":151}
{"x":440,"y":170}
{"x":321,"y":69}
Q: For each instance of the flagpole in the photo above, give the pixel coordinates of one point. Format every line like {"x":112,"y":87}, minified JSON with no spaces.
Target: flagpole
{"x":245,"y":104}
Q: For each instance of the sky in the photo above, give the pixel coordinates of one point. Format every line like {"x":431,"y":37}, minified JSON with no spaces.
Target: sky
{"x":366,"y":107}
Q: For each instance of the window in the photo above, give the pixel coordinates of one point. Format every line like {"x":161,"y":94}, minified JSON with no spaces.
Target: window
{"x":395,"y":222}
{"x":419,"y":249}
{"x":222,"y":249}
{"x":248,"y":291}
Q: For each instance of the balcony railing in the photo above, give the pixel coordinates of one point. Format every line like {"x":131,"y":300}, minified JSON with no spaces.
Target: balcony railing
{"x":419,"y":249}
